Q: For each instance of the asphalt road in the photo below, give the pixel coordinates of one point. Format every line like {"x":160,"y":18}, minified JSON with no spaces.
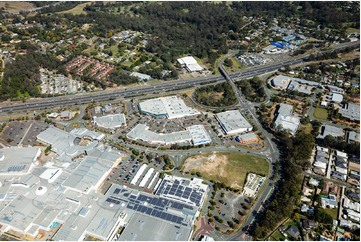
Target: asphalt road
{"x":139,"y":91}
{"x":270,"y":147}
{"x":270,"y":152}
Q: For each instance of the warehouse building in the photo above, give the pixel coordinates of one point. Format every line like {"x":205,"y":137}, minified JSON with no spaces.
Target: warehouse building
{"x":350,"y":111}
{"x":336,"y":97}
{"x":330,"y":130}
{"x":141,"y":76}
{"x":188,"y":191}
{"x":233,"y":122}
{"x":247,"y":138}
{"x":142,"y":132}
{"x":293,"y":84}
{"x":195,"y":134}
{"x":65,"y":145}
{"x":92,"y":171}
{"x":147,"y":228}
{"x":285,"y":120}
{"x":199,"y":135}
{"x":111,"y":121}
{"x":18,"y":160}
{"x":190,"y":64}
{"x":170,"y":107}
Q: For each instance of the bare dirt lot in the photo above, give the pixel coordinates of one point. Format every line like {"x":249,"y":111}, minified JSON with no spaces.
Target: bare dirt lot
{"x":15,"y":7}
{"x":228,"y":168}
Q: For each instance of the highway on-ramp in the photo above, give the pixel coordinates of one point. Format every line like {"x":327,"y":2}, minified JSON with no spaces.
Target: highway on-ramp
{"x":140,"y":91}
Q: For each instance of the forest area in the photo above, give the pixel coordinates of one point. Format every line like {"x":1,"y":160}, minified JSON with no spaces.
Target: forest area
{"x":297,"y":150}
{"x":176,"y":29}
{"x":220,"y":95}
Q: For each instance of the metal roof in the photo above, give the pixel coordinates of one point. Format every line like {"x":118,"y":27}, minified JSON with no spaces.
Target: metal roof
{"x":111,"y":121}
{"x":17,"y":159}
{"x":172,"y":107}
{"x":233,"y":122}
{"x":146,"y":228}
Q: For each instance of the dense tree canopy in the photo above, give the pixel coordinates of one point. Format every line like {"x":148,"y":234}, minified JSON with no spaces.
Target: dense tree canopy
{"x":253,"y":89}
{"x":22,"y":76}
{"x":296,"y":151}
{"x":219,"y":95}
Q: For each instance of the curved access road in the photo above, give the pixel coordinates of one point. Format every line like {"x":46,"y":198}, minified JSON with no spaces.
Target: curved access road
{"x":140,"y":91}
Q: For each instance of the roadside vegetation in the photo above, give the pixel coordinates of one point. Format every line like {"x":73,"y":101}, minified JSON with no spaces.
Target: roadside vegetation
{"x":296,"y":152}
{"x":220,"y":95}
{"x":253,"y":89}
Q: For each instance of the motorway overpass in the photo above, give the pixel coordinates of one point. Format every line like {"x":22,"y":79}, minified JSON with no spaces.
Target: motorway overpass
{"x":165,"y":86}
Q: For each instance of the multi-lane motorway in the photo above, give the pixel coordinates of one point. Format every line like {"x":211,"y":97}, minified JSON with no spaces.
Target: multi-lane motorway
{"x":139,"y":91}
{"x":181,"y":84}
{"x":273,"y":155}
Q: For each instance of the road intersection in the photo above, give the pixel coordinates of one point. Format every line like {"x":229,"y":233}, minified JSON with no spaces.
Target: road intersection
{"x":270,"y":151}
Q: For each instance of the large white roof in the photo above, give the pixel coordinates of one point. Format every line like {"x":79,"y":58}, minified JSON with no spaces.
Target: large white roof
{"x":17,"y":160}
{"x":190,"y":63}
{"x":90,"y":171}
{"x":195,"y":133}
{"x":233,"y":122}
{"x":64,"y":143}
{"x":111,"y":121}
{"x":290,"y":123}
{"x":172,"y":107}
{"x":336,"y":97}
{"x":199,"y":134}
{"x":141,"y":132}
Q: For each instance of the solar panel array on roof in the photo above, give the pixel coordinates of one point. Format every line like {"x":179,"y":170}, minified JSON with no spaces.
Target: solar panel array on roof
{"x":181,"y":191}
{"x":16,"y":168}
{"x":150,"y":205}
{"x":155,"y":212}
{"x":111,"y":200}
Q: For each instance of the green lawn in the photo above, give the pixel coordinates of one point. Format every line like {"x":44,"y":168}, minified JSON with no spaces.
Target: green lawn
{"x":233,"y":172}
{"x":307,"y":128}
{"x":237,"y":66}
{"x":320,"y":113}
{"x":89,"y":50}
{"x":352,"y":30}
{"x":277,"y":236}
{"x":77,"y":10}
{"x":114,"y":49}
{"x":333,"y":212}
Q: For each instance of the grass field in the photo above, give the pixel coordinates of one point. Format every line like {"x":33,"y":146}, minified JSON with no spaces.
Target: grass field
{"x":89,"y":50}
{"x":352,"y":30}
{"x":237,"y":66}
{"x":307,"y":128}
{"x":213,"y":95}
{"x":227,"y":167}
{"x":14,"y":7}
{"x":277,"y":236}
{"x":320,"y":113}
{"x":333,"y":212}
{"x":114,"y":49}
{"x":77,"y":10}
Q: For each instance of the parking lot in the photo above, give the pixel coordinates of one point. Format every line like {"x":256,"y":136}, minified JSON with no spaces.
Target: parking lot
{"x":22,"y":133}
{"x":229,"y":206}
{"x":128,"y":168}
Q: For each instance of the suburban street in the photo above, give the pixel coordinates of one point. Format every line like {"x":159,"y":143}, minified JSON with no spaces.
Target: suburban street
{"x":269,"y":151}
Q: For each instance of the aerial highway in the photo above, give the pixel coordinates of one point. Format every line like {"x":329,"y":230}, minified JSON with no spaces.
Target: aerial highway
{"x":270,"y":146}
{"x":165,"y":86}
